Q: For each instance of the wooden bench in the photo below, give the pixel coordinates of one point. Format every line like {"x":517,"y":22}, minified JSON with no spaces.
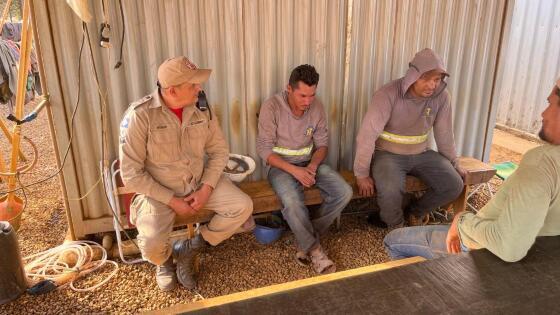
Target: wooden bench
{"x":265,"y":200}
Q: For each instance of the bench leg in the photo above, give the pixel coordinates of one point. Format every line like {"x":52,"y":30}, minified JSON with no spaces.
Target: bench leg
{"x":190,"y":231}
{"x":460,"y":204}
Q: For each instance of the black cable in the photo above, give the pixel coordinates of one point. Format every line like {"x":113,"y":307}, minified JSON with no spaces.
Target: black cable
{"x":22,"y":187}
{"x":119,"y":63}
{"x":71,"y":123}
{"x":102,"y":118}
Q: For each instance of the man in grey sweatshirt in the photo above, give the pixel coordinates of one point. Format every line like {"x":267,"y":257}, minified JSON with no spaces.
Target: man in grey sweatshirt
{"x":394,"y":135}
{"x":293,"y":142}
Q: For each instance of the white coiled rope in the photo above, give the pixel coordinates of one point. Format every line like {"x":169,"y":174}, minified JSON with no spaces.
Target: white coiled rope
{"x":50,"y":264}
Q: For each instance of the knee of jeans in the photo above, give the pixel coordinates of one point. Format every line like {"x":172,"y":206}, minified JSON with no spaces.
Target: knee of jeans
{"x":458,"y":186}
{"x":155,"y":250}
{"x":389,"y":189}
{"x":393,"y":237}
{"x":454,"y":186}
{"x":290,"y":198}
{"x":292,"y":205}
{"x":389,"y":239}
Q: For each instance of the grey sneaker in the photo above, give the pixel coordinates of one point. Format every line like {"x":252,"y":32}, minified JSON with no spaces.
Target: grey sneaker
{"x":165,"y":275}
{"x":184,"y":256}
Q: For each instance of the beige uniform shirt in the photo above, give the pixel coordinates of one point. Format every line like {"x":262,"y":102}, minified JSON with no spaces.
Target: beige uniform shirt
{"x":162,"y":157}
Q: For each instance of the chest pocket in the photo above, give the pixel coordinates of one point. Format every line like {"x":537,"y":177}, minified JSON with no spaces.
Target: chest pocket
{"x":197,"y":132}
{"x":309,"y":131}
{"x":163,"y":145}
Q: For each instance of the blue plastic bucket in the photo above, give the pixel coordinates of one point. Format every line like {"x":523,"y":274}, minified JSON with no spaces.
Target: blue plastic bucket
{"x":268,"y":231}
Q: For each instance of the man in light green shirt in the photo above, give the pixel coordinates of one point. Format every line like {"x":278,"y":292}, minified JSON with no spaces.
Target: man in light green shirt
{"x":526,"y":206}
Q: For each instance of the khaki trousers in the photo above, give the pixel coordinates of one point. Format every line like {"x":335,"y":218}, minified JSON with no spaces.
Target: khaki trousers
{"x":154,"y":220}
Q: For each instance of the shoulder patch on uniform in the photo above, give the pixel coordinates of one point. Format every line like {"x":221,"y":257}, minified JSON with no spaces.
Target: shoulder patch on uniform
{"x":141,"y":101}
{"x":127,"y":116}
{"x":124,"y":125}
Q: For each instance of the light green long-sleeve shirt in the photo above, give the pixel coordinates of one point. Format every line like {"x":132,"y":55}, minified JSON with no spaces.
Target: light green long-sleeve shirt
{"x":526,"y":206}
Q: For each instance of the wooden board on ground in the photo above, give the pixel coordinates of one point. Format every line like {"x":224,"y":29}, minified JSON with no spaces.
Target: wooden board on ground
{"x":284,"y":287}
{"x":477,"y":282}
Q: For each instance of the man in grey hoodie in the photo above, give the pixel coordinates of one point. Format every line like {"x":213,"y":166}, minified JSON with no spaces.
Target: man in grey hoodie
{"x":394,"y":135}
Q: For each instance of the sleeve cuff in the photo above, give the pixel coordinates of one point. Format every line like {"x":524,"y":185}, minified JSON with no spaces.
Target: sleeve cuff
{"x":319,"y":144}
{"x":211,"y":178}
{"x":455,"y":162}
{"x":462,"y":225}
{"x":360,"y":174}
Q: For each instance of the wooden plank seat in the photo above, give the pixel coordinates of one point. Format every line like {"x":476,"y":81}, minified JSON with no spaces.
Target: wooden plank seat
{"x":265,"y":200}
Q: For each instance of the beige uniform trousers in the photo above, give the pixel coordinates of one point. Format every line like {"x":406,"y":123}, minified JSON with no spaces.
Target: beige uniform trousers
{"x":154,"y":220}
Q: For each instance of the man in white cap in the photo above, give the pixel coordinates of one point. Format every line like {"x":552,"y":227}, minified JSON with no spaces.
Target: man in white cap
{"x":164,"y":139}
{"x":526,"y":206}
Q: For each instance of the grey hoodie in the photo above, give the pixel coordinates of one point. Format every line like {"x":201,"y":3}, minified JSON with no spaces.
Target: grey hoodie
{"x":395,"y":111}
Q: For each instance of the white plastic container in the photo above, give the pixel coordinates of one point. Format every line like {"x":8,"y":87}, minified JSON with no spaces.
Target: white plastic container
{"x":239,"y":177}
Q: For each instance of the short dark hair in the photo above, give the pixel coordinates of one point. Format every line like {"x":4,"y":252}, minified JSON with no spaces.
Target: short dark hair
{"x":304,"y":73}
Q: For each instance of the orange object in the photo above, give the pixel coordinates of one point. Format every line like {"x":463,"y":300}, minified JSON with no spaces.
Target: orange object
{"x":11,"y":210}
{"x":11,"y":206}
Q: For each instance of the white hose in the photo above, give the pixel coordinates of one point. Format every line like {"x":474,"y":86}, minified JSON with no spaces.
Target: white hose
{"x":48,"y":265}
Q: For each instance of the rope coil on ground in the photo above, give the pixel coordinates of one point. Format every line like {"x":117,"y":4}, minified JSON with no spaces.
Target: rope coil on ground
{"x":51,"y":264}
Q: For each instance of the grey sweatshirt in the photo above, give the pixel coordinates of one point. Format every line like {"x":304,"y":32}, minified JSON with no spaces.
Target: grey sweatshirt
{"x":282,"y":132}
{"x":395,"y":111}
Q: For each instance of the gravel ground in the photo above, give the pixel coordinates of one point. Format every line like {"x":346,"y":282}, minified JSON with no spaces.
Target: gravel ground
{"x":236,"y":265}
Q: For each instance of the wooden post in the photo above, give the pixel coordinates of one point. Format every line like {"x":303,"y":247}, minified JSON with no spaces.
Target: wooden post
{"x":9,"y":137}
{"x":460,"y":204}
{"x":190,"y":229}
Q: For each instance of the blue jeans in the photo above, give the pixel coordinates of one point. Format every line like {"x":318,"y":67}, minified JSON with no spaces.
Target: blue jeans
{"x":336,"y":194}
{"x":426,"y":241}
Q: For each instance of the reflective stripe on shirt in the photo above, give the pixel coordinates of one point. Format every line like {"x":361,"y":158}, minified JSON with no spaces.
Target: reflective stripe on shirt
{"x":391,"y":137}
{"x":299,"y":152}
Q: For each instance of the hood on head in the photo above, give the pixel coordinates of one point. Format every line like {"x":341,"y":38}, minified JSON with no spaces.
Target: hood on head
{"x":424,"y":61}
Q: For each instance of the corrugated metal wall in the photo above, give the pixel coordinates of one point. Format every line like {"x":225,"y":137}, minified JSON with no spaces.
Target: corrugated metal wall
{"x":252,"y":46}
{"x":531,"y":64}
